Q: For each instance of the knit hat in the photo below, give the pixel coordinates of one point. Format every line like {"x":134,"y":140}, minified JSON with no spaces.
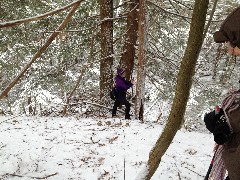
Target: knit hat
{"x":120,"y":71}
{"x":230,"y":29}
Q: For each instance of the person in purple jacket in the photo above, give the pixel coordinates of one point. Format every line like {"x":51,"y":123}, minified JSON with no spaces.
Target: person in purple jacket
{"x":121,"y":85}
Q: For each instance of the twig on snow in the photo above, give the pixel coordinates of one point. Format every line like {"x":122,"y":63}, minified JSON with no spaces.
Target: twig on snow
{"x":194,"y":172}
{"x":17,"y":175}
{"x":9,"y":119}
{"x":179,"y":175}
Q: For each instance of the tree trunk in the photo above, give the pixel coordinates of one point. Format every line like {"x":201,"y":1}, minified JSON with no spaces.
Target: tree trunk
{"x":35,"y":106}
{"x":139,"y":102}
{"x":106,"y":63}
{"x":30,"y":108}
{"x":127,"y":59}
{"x":24,"y":110}
{"x":40,"y":109}
{"x":184,"y":82}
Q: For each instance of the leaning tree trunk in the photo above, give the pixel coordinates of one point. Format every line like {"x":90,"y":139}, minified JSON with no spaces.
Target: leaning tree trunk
{"x":184,"y":82}
{"x":127,"y":59}
{"x":139,"y":101}
{"x":106,"y":63}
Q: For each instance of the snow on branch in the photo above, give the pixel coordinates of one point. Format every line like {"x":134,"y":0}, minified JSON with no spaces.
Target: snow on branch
{"x":42,"y":49}
{"x":175,"y":14}
{"x":17,"y":22}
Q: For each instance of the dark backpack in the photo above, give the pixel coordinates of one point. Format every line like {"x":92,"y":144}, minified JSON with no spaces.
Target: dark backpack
{"x":223,"y":123}
{"x":113,"y":93}
{"x":216,"y":123}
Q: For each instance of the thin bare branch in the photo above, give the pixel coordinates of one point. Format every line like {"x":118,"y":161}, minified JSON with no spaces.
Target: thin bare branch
{"x":16,"y":175}
{"x":210,"y":18}
{"x":167,"y":11}
{"x":17,"y":22}
{"x":175,"y":14}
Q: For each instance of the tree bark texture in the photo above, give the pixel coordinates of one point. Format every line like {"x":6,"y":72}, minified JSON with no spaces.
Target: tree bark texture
{"x":41,"y":50}
{"x":127,"y":59}
{"x":139,"y":102}
{"x":106,"y":63}
{"x":184,"y":82}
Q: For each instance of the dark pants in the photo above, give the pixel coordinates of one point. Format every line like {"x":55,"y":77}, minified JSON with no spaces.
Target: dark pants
{"x":117,"y":103}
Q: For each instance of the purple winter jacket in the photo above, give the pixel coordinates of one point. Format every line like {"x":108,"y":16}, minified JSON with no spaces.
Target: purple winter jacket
{"x":122,"y":85}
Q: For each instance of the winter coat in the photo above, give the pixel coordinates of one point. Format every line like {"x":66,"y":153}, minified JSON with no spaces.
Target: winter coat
{"x":230,"y":29}
{"x":122,"y":85}
{"x":225,"y":126}
{"x":231,"y":153}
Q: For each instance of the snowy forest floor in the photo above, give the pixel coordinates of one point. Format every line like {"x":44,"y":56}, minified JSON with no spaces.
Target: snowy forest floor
{"x":95,"y":148}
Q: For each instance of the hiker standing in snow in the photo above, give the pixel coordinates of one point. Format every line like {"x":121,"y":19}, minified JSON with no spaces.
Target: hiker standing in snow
{"x":121,"y":85}
{"x":224,"y":123}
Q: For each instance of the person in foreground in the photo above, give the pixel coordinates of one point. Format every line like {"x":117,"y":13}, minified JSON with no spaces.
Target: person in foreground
{"x":224,"y":121}
{"x":121,"y":87}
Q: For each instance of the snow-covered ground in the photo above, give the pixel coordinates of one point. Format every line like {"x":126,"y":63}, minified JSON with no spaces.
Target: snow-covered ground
{"x":92,"y":149}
